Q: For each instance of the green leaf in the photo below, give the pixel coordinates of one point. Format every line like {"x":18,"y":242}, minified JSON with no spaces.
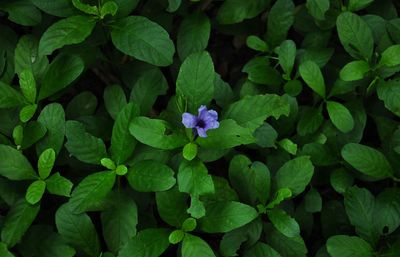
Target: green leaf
{"x":17,"y":222}
{"x":176,"y":236}
{"x":225,"y":216}
{"x":143,"y":39}
{"x":147,"y":88}
{"x":256,"y":43}
{"x":14,"y":164}
{"x":193,"y":178}
{"x":83,"y":104}
{"x":367,"y":160}
{"x":355,"y":35}
{"x":193,"y":34}
{"x":313,"y":201}
{"x":251,"y":111}
{"x":78,"y":230}
{"x":150,"y":242}
{"x":354,"y":70}
{"x":173,"y":5}
{"x":52,"y":118}
{"x":235,"y":11}
{"x":58,"y":185}
{"x":119,"y":221}
{"x":189,"y":225}
{"x":195,"y":80}
{"x":9,"y":97}
{"x":286,"y":246}
{"x":91,"y":190}
{"x":122,"y":142}
{"x":341,"y":179}
{"x":22,"y":12}
{"x":86,"y":8}
{"x":154,"y":132}
{"x":33,"y":132}
{"x":171,"y":206}
{"x":295,"y":174}
{"x":261,"y":250}
{"x":280,"y":196}
{"x":35,"y":191}
{"x":355,"y":5}
{"x":150,"y":176}
{"x":189,"y":151}
{"x":110,"y":7}
{"x":387,"y":210}
{"x":360,"y":205}
{"x":318,"y":8}
{"x":60,"y":8}
{"x":4,"y":251}
{"x":83,"y":145}
{"x":46,"y":162}
{"x":284,"y":223}
{"x":388,"y":58}
{"x":194,"y":246}
{"x":348,"y":246}
{"x":280,"y":19}
{"x":389,"y":93}
{"x":261,"y":72}
{"x":310,"y":121}
{"x":197,"y":209}
{"x":114,"y":100}
{"x":312,"y":75}
{"x":28,"y":85}
{"x":69,"y":31}
{"x":27,"y":112}
{"x":340,"y":116}
{"x":287,"y":54}
{"x":288,"y":146}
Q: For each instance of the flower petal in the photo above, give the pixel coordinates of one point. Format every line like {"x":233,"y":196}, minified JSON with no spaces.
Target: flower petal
{"x":202,"y":111}
{"x":201,"y":132}
{"x":189,"y":120}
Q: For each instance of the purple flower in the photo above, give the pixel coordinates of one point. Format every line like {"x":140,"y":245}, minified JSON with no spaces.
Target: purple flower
{"x":207,"y":119}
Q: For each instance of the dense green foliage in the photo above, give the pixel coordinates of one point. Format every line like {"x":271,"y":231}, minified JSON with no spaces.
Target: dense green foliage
{"x":96,"y":158}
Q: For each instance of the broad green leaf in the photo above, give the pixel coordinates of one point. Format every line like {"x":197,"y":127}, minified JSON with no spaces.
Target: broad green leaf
{"x":318,"y":8}
{"x":389,"y":56}
{"x":360,"y":205}
{"x":58,"y":185}
{"x":284,"y":223}
{"x":28,"y":85}
{"x":61,"y":8}
{"x":151,"y":176}
{"x":147,"y":88}
{"x":27,"y":112}
{"x":52,"y":118}
{"x":389,"y":93}
{"x":33,"y":132}
{"x":251,"y":111}
{"x":35,"y":191}
{"x":310,"y":121}
{"x":17,"y":222}
{"x":261,"y":72}
{"x":22,"y":12}
{"x":340,"y":116}
{"x":225,"y":216}
{"x":155,"y":133}
{"x":280,"y":19}
{"x":313,"y":201}
{"x":62,"y":71}
{"x":114,"y":100}
{"x":83,"y":145}
{"x":295,"y":174}
{"x":265,"y":135}
{"x":4,"y":251}
{"x":348,"y":246}
{"x":193,"y":34}
{"x":354,"y":70}
{"x":143,"y":39}
{"x":173,"y":5}
{"x":355,"y":35}
{"x":193,"y":178}
{"x":171,"y":206}
{"x":77,"y":230}
{"x":235,"y":11}
{"x":287,"y":54}
{"x":151,"y":242}
{"x":261,"y":250}
{"x":119,"y":221}
{"x":387,"y":210}
{"x":194,"y":246}
{"x":91,"y":190}
{"x":72,"y":30}
{"x":195,"y":82}
{"x":9,"y":97}
{"x":125,"y":7}
{"x":46,"y":162}
{"x":312,"y":75}
{"x":250,"y":180}
{"x":355,"y":5}
{"x":14,"y":165}
{"x":83,"y":104}
{"x":280,"y":196}
{"x":341,"y":179}
{"x":122,"y":142}
{"x":367,"y":160}
{"x":286,"y":246}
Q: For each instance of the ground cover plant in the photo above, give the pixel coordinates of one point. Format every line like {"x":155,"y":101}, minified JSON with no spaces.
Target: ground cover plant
{"x":202,"y":128}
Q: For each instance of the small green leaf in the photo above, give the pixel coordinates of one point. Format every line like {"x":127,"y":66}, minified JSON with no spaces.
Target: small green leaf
{"x":288,"y":146}
{"x":114,"y":100}
{"x":35,"y":191}
{"x":189,"y":225}
{"x":318,"y":8}
{"x":287,"y":54}
{"x":389,"y":56}
{"x":193,"y":178}
{"x":280,"y":19}
{"x":173,"y":5}
{"x":311,"y":74}
{"x":197,"y":209}
{"x":284,"y":223}
{"x":389,"y":93}
{"x":172,"y":206}
{"x":348,"y":246}
{"x":235,"y":11}
{"x":355,"y":5}
{"x":9,"y":97}
{"x":189,"y":151}
{"x":341,"y":179}
{"x":28,"y":85}
{"x":194,"y":246}
{"x":256,"y":43}
{"x":46,"y":162}
{"x":354,"y":70}
{"x":313,"y":201}
{"x":367,"y":160}
{"x":18,"y":134}
{"x":108,"y":163}
{"x":340,"y":116}
{"x":4,"y":251}
{"x":176,"y":236}
{"x":58,"y":185}
{"x":151,"y":242}
{"x":280,"y":195}
{"x":27,"y":112}
{"x":86,"y":8}
{"x":121,"y":170}
{"x":14,"y":164}
{"x":110,"y":7}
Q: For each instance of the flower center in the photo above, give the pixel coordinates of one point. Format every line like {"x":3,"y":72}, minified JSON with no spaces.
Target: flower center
{"x":201,"y":123}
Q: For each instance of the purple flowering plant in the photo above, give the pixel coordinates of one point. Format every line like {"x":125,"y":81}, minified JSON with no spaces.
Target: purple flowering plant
{"x":205,"y":120}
